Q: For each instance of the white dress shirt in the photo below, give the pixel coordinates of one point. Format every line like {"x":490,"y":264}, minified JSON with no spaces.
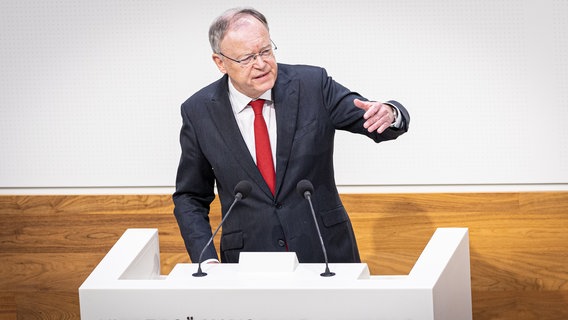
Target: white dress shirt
{"x":245,"y":118}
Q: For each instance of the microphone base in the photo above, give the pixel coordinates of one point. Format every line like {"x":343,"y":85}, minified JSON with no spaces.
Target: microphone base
{"x":199,"y":274}
{"x":327,"y":273}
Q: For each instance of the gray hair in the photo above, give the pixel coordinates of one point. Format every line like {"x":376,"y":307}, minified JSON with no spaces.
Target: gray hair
{"x":221,"y":24}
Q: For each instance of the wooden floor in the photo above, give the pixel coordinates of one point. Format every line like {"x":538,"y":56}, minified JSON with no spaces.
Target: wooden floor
{"x":518,"y":245}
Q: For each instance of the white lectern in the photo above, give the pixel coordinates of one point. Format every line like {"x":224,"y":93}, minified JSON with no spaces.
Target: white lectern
{"x":127,"y":284}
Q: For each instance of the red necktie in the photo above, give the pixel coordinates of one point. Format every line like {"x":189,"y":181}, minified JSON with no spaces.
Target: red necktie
{"x":262,"y":144}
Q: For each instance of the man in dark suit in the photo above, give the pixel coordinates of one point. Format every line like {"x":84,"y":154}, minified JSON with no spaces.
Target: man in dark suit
{"x":302,"y":108}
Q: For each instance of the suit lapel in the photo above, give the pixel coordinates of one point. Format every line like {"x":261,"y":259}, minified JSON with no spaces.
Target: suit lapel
{"x":286,"y":101}
{"x":222,"y":116}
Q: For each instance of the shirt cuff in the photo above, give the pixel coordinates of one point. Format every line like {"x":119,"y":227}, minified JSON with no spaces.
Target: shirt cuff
{"x":210,"y":260}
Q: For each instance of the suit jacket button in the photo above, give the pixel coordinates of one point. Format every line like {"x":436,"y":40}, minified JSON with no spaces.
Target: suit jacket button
{"x":281,"y":243}
{"x":279,"y":205}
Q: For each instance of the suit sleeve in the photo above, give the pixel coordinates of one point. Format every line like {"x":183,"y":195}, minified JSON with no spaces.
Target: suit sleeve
{"x":194,"y":192}
{"x":346,"y":116}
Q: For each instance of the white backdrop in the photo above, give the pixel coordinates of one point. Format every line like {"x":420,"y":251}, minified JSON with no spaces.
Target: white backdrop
{"x":90,"y":91}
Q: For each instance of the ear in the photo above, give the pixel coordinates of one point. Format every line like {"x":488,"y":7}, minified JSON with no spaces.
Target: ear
{"x":219,"y":63}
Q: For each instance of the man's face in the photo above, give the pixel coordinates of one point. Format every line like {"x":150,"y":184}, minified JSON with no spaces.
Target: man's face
{"x":245,"y":37}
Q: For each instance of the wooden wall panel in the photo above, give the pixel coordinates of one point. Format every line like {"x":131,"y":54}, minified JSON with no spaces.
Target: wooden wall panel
{"x":518,"y":245}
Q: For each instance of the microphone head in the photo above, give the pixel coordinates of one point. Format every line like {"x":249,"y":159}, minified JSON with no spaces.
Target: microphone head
{"x":304,"y":186}
{"x":243,"y":187}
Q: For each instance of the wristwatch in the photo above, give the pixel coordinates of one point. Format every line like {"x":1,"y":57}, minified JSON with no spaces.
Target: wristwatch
{"x":394,"y":112}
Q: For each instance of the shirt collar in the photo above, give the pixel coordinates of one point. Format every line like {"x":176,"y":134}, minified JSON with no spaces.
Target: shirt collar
{"x":240,"y":101}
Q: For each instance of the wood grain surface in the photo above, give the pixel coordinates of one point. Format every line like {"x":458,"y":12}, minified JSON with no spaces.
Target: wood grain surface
{"x":518,"y":245}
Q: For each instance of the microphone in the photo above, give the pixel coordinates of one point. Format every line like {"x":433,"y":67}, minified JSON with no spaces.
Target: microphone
{"x":305,"y":189}
{"x":241,"y":191}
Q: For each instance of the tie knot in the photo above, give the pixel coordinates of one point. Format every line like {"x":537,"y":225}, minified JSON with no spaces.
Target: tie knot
{"x":257,"y":105}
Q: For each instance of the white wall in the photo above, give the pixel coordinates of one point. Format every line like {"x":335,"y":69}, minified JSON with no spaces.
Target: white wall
{"x":90,"y":90}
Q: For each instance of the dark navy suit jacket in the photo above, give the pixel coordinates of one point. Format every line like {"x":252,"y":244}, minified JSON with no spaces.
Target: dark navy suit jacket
{"x":309,"y":106}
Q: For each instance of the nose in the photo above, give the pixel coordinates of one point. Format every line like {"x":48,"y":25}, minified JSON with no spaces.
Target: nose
{"x":258,"y":61}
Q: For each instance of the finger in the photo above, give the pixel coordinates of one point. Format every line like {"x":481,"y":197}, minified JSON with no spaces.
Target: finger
{"x":385,"y":111}
{"x":376,"y":109}
{"x":379,"y":122}
{"x":364,"y":105}
{"x":383,"y":127}
{"x":373,"y":110}
{"x":360,"y":104}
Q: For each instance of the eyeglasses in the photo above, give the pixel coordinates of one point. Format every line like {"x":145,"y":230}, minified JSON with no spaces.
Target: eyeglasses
{"x":247,"y":60}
